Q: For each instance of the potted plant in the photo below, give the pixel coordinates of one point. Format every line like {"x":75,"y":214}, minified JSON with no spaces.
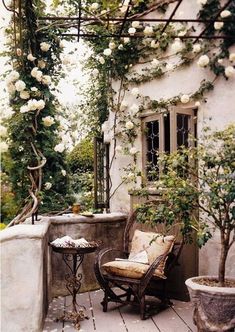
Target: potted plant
{"x":197,"y":185}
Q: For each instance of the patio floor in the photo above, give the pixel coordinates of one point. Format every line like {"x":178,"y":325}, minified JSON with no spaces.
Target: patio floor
{"x":177,"y":318}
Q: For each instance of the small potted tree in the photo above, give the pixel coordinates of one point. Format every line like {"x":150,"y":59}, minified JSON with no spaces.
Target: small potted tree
{"x":197,"y":186}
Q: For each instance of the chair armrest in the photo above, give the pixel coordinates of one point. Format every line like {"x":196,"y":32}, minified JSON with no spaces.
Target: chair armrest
{"x":100,"y":255}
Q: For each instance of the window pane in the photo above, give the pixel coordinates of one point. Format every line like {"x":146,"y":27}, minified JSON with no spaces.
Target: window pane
{"x":182,"y":129}
{"x":152,"y":148}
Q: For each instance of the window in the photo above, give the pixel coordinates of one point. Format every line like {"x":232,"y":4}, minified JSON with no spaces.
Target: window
{"x":165,"y":132}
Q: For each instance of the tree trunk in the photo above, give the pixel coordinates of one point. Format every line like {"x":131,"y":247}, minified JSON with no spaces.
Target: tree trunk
{"x":223,"y":257}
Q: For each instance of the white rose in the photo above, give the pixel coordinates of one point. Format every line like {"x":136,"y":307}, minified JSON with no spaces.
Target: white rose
{"x":11,"y":88}
{"x":61,"y":44}
{"x":135,"y":24}
{"x":134,"y":109}
{"x":95,"y":72}
{"x":30,"y":57}
{"x":220,"y":61}
{"x":34,"y":89}
{"x":196,"y":48}
{"x":13,"y":76}
{"x":48,"y":121}
{"x":34,"y":72}
{"x":24,"y":109}
{"x":3,"y":131}
{"x":107,"y":52}
{"x":3,"y":146}
{"x":39,"y":76}
{"x":132,"y":31}
{"x":45,"y":47}
{"x":123,"y":9}
{"x":112,"y":45}
{"x":148,"y":31}
{"x":41,"y":64}
{"x":63,"y":172}
{"x":154,"y":44}
{"x":59,"y":147}
{"x":182,"y":33}
{"x":229,"y":71}
{"x":225,"y":13}
{"x":203,"y":61}
{"x":184,"y":99}
{"x":24,"y":95}
{"x":177,"y":46}
{"x":126,"y":40}
{"x":101,"y":60}
{"x":94,"y":6}
{"x":104,"y":11}
{"x":129,"y":125}
{"x":201,"y":2}
{"x":133,"y":150}
{"x":32,"y":104}
{"x":197,"y":103}
{"x":47,"y":185}
{"x":40,"y":104}
{"x":218,"y":25}
{"x":20,"y":85}
{"x":120,"y":47}
{"x":155,"y":62}
{"x":135,"y":92}
{"x":123,"y":105}
{"x":232,"y":57}
{"x":46,"y":79}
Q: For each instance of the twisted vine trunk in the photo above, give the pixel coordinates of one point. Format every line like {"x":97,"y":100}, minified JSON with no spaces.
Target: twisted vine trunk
{"x":223,"y":256}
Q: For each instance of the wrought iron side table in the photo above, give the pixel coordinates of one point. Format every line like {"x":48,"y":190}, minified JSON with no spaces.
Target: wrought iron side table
{"x":73,"y":258}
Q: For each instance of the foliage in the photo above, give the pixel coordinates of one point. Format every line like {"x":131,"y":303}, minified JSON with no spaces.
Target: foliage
{"x":197,"y":189}
{"x":81,"y":159}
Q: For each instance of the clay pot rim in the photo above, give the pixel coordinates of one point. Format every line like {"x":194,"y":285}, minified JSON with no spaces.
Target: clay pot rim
{"x":191,"y":283}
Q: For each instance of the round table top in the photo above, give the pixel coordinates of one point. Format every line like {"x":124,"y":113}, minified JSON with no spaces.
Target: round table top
{"x":73,"y":251}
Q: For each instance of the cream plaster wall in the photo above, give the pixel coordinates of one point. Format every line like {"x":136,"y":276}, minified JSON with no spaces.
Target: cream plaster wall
{"x":218,"y":111}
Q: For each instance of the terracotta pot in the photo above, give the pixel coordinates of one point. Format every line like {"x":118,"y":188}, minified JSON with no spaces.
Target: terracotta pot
{"x":214,"y":307}
{"x":76,"y":208}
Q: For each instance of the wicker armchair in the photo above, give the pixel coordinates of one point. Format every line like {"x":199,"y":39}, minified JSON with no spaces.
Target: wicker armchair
{"x":128,"y":282}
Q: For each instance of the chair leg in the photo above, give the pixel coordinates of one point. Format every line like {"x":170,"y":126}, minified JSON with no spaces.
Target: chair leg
{"x":105,"y":302}
{"x":142,"y":307}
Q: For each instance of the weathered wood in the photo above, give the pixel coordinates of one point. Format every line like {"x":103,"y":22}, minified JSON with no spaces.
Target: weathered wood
{"x":185,"y":311}
{"x":56,"y":310}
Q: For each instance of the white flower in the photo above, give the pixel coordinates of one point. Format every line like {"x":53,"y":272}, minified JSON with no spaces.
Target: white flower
{"x":104,"y":11}
{"x":184,"y":99}
{"x":21,"y":148}
{"x":220,"y":61}
{"x":229,"y":71}
{"x":94,"y":6}
{"x":203,"y":61}
{"x":169,"y":66}
{"x":40,"y":104}
{"x":201,"y":2}
{"x":41,"y":64}
{"x":34,"y":72}
{"x":46,"y":79}
{"x":48,"y":121}
{"x":13,"y":76}
{"x":232,"y":57}
{"x":19,"y":51}
{"x":39,"y":76}
{"x":155,"y":62}
{"x":129,"y":125}
{"x":24,"y":95}
{"x":59,"y":147}
{"x":154,"y":44}
{"x":3,"y":146}
{"x":34,"y":89}
{"x":118,"y":148}
{"x":135,"y":92}
{"x":95,"y":72}
{"x":112,"y":45}
{"x":126,"y":40}
{"x":218,"y":25}
{"x":133,"y":150}
{"x":63,"y":172}
{"x":123,"y":105}
{"x":148,"y":31}
{"x":30,"y":57}
{"x":45,"y":47}
{"x":182,"y":33}
{"x":20,"y":85}
{"x":135,"y":24}
{"x":196,"y":48}
{"x":61,"y":44}
{"x":177,"y":46}
{"x":24,"y":109}
{"x":101,"y":60}
{"x":134,"y":109}
{"x":48,"y":185}
{"x":107,"y":52}
{"x":132,"y":31}
{"x":197,"y":103}
{"x":3,"y":131}
{"x":120,"y":47}
{"x":11,"y":88}
{"x":225,"y":13}
{"x":123,"y":9}
{"x":32,"y":104}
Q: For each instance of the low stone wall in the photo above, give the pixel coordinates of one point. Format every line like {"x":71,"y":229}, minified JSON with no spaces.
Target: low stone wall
{"x":31,"y":274}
